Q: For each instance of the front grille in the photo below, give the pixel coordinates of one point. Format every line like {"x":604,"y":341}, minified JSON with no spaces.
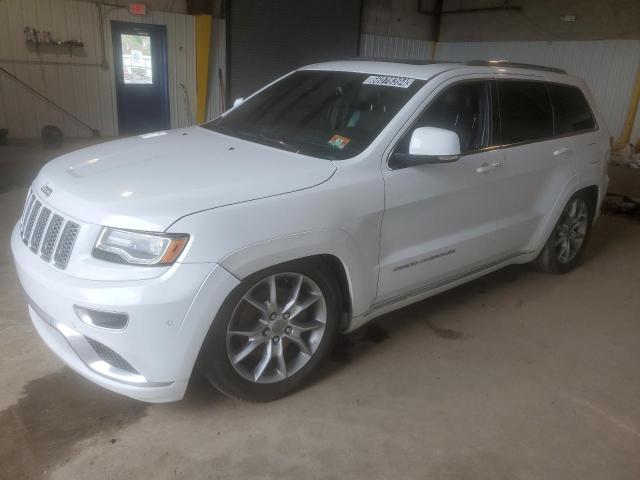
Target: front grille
{"x":111,"y":357}
{"x":47,"y":233}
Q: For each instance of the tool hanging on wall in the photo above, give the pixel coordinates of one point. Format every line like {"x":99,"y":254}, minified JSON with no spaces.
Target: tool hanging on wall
{"x":223,"y":95}
{"x":185,"y":97}
{"x":94,"y":132}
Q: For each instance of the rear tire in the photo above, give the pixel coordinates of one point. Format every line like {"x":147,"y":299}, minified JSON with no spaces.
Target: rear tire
{"x":259,"y":349}
{"x":568,"y":240}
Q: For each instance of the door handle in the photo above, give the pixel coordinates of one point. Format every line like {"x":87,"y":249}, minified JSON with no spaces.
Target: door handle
{"x":562,"y":151}
{"x":488,"y":167}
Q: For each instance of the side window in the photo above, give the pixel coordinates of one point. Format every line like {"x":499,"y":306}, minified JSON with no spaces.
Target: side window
{"x":525,"y":111}
{"x":570,"y":109}
{"x":461,"y":108}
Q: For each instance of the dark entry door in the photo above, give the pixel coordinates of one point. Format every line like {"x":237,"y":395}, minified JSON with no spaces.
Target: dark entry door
{"x":140,"y":61}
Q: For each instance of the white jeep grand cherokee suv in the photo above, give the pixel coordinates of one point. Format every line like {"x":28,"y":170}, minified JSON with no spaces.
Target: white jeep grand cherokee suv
{"x":337,"y":193}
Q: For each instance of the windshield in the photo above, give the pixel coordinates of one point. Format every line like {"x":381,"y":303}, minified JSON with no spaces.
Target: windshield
{"x":331,"y":115}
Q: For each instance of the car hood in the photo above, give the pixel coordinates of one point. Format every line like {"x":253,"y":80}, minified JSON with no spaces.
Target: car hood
{"x":149,"y":181}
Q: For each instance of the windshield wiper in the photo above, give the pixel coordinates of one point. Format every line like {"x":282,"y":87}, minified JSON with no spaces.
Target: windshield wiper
{"x":264,"y":139}
{"x":258,"y":137}
{"x":276,"y":142}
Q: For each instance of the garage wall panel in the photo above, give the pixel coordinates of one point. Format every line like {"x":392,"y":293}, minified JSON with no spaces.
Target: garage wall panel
{"x":608,"y":66}
{"x":272,"y":37}
{"x":378,"y":46}
{"x":79,"y":82}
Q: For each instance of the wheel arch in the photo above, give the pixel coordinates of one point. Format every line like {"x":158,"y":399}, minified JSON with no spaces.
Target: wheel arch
{"x":592,"y":192}
{"x":340,"y":274}
{"x":570,"y":189}
{"x":335,"y":249}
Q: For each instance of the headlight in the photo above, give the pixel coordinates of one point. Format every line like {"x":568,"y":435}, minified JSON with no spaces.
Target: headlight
{"x":139,"y":248}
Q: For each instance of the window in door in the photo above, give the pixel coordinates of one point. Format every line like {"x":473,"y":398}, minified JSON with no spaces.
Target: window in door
{"x":137,"y":65}
{"x":525,"y":111}
{"x":570,"y":109}
{"x":461,"y":108}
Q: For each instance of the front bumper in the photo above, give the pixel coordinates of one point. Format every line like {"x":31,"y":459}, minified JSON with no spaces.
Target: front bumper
{"x":169,"y":317}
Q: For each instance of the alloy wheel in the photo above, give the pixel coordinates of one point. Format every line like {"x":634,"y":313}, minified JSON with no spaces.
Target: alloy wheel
{"x":276,"y":327}
{"x":571,"y":230}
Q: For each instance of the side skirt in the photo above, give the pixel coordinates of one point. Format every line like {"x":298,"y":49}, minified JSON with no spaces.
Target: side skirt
{"x":431,"y":289}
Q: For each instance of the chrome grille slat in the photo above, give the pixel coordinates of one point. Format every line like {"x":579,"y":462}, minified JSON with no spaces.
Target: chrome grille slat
{"x":65,"y":244}
{"x":27,"y":206}
{"x":51,"y":237}
{"x":32,"y":218}
{"x":26,"y":214}
{"x":46,"y":233}
{"x":38,"y":230}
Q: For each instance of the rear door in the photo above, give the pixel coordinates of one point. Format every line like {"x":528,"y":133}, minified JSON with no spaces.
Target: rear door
{"x":574,"y":118}
{"x":538,"y":165}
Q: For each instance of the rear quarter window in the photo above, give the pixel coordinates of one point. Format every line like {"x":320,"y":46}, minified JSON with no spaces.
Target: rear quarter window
{"x":571,"y":110}
{"x":525,"y":111}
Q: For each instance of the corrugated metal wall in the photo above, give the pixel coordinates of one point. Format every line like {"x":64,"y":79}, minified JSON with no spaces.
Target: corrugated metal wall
{"x":217,"y":68}
{"x":78,"y":82}
{"x":608,"y":66}
{"x":393,"y":47}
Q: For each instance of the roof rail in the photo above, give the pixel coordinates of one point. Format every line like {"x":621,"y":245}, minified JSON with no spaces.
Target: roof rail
{"x":406,"y":61}
{"x":505,"y":63}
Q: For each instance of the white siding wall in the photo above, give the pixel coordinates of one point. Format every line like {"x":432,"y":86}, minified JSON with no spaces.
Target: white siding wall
{"x":78,"y":83}
{"x":608,"y":66}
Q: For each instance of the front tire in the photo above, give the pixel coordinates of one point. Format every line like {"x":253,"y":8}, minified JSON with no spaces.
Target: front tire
{"x":273,"y":331}
{"x":566,"y":244}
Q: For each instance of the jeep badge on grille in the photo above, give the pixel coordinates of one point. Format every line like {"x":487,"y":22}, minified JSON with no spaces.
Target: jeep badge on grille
{"x":46,"y":189}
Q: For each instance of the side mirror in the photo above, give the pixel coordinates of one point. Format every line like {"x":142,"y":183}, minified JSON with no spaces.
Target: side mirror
{"x":428,"y":145}
{"x":237,"y":102}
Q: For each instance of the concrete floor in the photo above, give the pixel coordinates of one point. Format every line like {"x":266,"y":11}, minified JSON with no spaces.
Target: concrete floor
{"x":518,"y":375}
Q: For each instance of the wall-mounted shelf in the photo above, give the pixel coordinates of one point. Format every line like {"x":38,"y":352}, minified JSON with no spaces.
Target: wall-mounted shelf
{"x":37,"y":39}
{"x":66,"y":44}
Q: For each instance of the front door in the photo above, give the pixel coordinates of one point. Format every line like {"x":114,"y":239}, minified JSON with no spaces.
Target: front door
{"x":440,"y":219}
{"x":140,"y":60}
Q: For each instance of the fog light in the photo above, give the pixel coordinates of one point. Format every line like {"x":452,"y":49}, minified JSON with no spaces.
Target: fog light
{"x":98,"y":318}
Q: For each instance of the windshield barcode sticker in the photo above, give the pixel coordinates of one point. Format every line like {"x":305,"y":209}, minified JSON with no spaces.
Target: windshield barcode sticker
{"x":386,"y":81}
